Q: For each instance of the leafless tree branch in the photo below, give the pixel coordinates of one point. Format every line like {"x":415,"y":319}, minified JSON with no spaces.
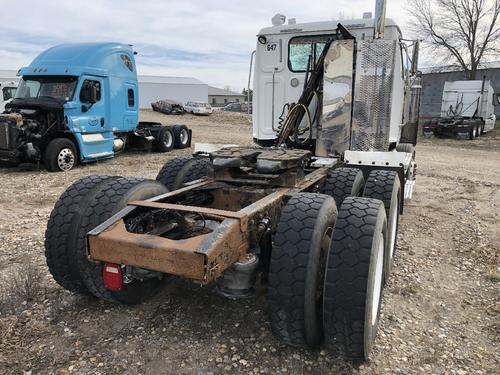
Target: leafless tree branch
{"x":464,"y":32}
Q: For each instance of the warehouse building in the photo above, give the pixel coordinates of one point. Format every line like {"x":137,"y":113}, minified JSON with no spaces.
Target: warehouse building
{"x":153,"y":88}
{"x":220,"y":97}
{"x":181,"y":89}
{"x":433,"y":83}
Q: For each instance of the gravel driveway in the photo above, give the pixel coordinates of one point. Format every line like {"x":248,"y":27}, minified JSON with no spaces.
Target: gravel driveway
{"x":440,"y":310}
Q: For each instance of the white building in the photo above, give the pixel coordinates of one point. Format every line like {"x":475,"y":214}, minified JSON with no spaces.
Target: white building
{"x":153,"y":88}
{"x":182,"y":89}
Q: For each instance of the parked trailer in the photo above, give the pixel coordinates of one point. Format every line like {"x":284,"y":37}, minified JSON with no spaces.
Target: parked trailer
{"x":467,"y":110}
{"x":79,"y":103}
{"x":315,"y":216}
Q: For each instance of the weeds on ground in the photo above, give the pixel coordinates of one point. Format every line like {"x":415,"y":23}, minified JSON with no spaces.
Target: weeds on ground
{"x":25,"y":284}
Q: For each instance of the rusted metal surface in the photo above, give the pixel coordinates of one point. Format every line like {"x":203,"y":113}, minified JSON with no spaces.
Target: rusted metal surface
{"x":213,"y":212}
{"x":231,"y":215}
{"x":156,"y":253}
{"x":190,"y":187}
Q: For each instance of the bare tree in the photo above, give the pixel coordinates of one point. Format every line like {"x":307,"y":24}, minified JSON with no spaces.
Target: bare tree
{"x":463,"y":32}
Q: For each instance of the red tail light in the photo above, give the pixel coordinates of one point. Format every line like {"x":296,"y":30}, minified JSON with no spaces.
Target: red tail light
{"x":112,"y":276}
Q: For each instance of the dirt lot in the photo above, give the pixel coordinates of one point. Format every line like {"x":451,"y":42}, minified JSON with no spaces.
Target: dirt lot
{"x":440,"y":310}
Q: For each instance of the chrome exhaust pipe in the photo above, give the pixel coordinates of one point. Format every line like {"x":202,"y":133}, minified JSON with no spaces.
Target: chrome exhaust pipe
{"x":379,"y":24}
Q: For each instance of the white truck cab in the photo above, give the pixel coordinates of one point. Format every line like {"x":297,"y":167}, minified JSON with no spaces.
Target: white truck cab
{"x":7,"y":93}
{"x":467,"y":110}
{"x":281,"y":61}
{"x":470,"y":99}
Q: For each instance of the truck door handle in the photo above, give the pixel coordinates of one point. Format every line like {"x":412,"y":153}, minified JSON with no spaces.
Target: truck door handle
{"x":102,"y":122}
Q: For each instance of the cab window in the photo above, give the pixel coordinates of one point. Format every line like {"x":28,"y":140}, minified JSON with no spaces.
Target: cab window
{"x":128,"y":62}
{"x":87,"y":86}
{"x":131,"y":99}
{"x":300,"y":48}
{"x":8,"y":93}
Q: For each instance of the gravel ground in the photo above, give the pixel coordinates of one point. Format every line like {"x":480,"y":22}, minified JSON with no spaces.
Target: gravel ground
{"x":440,"y":312}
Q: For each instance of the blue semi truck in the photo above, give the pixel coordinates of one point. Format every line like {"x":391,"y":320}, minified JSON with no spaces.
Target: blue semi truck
{"x":79,"y":103}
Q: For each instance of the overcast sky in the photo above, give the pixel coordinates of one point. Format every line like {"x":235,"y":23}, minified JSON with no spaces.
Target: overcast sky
{"x":208,"y":40}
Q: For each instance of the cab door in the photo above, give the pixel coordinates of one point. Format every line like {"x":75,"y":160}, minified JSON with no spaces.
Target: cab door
{"x":95,"y":137}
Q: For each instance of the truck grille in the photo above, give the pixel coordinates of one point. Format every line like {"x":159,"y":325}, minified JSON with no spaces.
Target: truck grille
{"x":9,"y":133}
{"x":4,"y":136}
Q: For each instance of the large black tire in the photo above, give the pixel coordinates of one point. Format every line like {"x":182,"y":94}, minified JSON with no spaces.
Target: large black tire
{"x":181,"y":170}
{"x":62,"y":232}
{"x":182,"y":136}
{"x":298,"y":261}
{"x":194,"y":169}
{"x":354,"y":277}
{"x":478,"y":129}
{"x":103,"y":203}
{"x":168,"y":173}
{"x":60,"y":155}
{"x":344,"y":182}
{"x":386,"y":186}
{"x":164,"y":140}
{"x":406,"y":147}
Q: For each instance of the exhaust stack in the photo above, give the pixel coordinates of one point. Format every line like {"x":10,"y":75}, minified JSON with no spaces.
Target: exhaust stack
{"x":379,"y":24}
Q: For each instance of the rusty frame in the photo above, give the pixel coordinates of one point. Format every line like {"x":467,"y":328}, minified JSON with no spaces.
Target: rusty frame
{"x":203,"y":257}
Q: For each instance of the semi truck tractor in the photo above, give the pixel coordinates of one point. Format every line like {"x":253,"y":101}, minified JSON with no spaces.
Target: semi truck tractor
{"x":312,"y":215}
{"x":467,"y":110}
{"x":7,"y":92}
{"x":79,"y":103}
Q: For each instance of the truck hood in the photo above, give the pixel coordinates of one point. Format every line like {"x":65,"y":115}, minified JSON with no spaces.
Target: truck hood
{"x":46,"y":103}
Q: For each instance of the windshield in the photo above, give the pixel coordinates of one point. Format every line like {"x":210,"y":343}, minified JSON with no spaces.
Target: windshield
{"x":57,"y":87}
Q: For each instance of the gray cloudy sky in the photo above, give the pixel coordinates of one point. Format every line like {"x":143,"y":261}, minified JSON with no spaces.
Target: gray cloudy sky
{"x":208,"y":40}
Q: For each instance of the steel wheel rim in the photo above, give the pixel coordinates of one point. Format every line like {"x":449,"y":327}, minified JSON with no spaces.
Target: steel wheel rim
{"x":184,"y":136}
{"x":168,"y":139}
{"x":393,"y":227}
{"x":65,"y":159}
{"x":377,"y":284}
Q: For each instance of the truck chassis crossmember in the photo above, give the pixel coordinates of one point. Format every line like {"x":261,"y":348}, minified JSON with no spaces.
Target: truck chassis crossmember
{"x":239,"y":212}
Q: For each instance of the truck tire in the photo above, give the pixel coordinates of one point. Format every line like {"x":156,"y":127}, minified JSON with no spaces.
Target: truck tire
{"x":354,"y":274}
{"x":102,"y":203}
{"x":296,"y":274}
{"x":61,"y":233}
{"x":472,"y":131}
{"x":164,"y":140}
{"x":182,"y":169}
{"x":194,"y":169}
{"x":406,"y":147}
{"x":428,"y":134}
{"x":386,"y":186}
{"x":478,"y":129}
{"x":181,"y":136}
{"x":60,"y":155}
{"x":344,"y":182}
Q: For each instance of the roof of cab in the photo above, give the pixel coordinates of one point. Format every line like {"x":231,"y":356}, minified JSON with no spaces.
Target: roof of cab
{"x":361,"y":23}
{"x":77,"y":59}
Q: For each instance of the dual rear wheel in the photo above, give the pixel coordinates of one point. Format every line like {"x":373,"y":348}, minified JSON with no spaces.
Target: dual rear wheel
{"x":328,"y":268}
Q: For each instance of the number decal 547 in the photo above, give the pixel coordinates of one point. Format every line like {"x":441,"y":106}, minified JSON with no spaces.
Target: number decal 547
{"x":271,"y":47}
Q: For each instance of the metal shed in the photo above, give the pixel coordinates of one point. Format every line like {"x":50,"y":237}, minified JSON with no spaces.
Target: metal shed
{"x":181,"y":89}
